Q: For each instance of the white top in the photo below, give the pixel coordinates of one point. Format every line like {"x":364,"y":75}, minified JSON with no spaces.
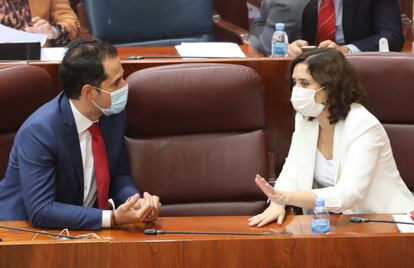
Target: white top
{"x":89,"y":180}
{"x":324,"y":170}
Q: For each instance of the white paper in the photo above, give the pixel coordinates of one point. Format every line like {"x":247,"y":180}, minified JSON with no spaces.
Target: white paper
{"x":52,"y":53}
{"x":210,"y":49}
{"x":10,"y":35}
{"x":404,"y":228}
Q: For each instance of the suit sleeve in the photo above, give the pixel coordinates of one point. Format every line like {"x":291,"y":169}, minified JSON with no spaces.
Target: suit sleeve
{"x":36,"y":154}
{"x":387,"y":23}
{"x":358,"y":171}
{"x":122,"y":185}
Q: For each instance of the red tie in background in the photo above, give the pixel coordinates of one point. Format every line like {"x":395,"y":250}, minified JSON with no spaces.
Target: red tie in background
{"x":101,"y":165}
{"x":326,"y":22}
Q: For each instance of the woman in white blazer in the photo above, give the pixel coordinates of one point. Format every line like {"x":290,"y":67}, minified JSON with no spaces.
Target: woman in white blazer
{"x":339,"y":151}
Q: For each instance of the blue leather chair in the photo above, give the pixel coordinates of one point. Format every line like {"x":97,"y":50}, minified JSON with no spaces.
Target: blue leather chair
{"x":154,"y":22}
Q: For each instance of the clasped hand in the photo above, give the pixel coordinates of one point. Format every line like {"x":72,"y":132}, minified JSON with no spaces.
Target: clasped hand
{"x":295,"y":48}
{"x":138,"y":209}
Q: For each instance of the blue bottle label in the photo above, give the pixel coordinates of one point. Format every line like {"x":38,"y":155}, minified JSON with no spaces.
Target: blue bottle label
{"x":279,"y":48}
{"x":320,"y":226}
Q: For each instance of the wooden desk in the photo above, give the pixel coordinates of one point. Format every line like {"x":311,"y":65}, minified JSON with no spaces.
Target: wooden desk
{"x":349,"y":245}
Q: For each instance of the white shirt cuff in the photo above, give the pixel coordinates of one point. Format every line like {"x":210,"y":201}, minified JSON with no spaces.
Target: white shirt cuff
{"x":106,"y":218}
{"x":352,"y":48}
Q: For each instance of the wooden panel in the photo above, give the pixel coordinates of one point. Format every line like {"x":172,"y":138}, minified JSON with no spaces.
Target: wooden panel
{"x":348,"y":245}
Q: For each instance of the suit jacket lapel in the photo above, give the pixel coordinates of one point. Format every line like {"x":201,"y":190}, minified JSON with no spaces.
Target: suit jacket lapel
{"x":349,"y":7}
{"x":72,"y":139}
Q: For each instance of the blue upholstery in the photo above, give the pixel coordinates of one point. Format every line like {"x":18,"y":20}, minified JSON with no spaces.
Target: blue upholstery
{"x":150,"y":22}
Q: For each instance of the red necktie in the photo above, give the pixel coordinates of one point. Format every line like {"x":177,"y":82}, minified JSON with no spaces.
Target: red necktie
{"x":101,"y":165}
{"x":326,"y":22}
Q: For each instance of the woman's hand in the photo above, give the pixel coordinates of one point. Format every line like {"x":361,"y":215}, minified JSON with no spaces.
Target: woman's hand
{"x":272,"y":213}
{"x":278,"y":197}
{"x":42,"y":26}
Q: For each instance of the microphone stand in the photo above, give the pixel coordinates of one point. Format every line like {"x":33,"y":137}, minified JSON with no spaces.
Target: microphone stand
{"x":156,"y":232}
{"x":362,"y":220}
{"x":398,"y":222}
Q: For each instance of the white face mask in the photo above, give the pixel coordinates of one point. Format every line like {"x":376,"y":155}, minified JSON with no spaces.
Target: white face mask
{"x":303,"y":101}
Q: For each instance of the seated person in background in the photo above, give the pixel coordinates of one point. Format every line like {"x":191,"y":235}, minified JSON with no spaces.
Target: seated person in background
{"x":339,"y":151}
{"x":350,"y":26}
{"x":273,"y":11}
{"x":69,"y":156}
{"x":55,"y":18}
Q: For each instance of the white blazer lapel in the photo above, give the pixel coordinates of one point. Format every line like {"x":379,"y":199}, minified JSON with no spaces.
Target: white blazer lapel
{"x":310,"y":142}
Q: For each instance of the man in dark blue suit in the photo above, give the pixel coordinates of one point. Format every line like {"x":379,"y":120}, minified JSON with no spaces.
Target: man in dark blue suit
{"x":52,"y":175}
{"x":359,"y":26}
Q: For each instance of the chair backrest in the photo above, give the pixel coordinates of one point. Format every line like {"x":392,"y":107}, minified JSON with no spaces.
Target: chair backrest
{"x":388,"y":79}
{"x":23,"y":89}
{"x":150,"y":22}
{"x":196,"y":137}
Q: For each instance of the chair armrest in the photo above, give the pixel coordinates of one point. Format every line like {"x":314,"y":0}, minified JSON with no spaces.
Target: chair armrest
{"x":227,"y":31}
{"x":84,"y":29}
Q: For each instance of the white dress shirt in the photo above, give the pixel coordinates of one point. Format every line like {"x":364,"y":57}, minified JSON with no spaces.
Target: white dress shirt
{"x":85,"y":142}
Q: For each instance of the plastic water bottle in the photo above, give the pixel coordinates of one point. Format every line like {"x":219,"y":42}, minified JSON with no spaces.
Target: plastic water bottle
{"x":320,"y":221}
{"x":280,"y":41}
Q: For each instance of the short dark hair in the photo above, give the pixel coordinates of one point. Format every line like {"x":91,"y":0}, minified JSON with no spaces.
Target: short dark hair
{"x":82,"y":64}
{"x":332,"y":71}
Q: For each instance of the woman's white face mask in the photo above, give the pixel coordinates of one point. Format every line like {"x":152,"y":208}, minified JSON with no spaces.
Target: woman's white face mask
{"x":303,"y":101}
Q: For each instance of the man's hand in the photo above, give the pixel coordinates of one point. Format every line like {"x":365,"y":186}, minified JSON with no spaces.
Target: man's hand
{"x":331,"y":44}
{"x":126,"y":213}
{"x":42,"y":26}
{"x":294,"y":48}
{"x":153,"y":202}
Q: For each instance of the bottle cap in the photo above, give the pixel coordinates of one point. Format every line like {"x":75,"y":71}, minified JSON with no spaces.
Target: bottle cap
{"x":280,"y":26}
{"x":320,"y":202}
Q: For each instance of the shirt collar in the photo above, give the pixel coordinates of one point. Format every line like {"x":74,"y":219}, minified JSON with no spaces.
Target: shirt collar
{"x":81,"y":121}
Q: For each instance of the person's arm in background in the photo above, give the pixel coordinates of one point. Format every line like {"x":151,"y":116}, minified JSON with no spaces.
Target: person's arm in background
{"x":64,"y":18}
{"x":387,"y":23}
{"x":57,"y":21}
{"x":272,"y":12}
{"x":257,"y":28}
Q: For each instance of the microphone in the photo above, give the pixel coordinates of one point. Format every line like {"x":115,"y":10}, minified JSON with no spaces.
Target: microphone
{"x":362,"y":220}
{"x":358,"y":219}
{"x":40,"y":232}
{"x":156,"y":232}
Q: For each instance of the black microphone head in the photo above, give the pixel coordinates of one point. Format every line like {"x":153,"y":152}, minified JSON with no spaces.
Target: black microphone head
{"x":150,"y":231}
{"x":355,"y":219}
{"x":358,"y":219}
